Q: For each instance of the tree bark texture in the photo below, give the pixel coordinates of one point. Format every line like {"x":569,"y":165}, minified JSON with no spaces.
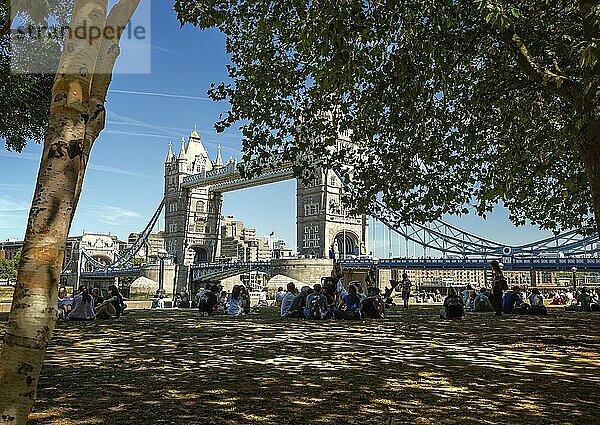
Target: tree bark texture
{"x":590,"y":155}
{"x":76,"y":119}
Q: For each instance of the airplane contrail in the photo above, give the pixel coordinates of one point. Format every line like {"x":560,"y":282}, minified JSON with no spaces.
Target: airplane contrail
{"x":174,"y":96}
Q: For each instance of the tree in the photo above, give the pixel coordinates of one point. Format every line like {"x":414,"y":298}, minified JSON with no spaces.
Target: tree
{"x":453,"y":105}
{"x":77,"y":116}
{"x":24,"y":97}
{"x":8,"y":268}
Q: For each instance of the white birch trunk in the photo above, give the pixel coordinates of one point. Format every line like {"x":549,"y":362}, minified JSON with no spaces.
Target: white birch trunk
{"x":73,"y":126}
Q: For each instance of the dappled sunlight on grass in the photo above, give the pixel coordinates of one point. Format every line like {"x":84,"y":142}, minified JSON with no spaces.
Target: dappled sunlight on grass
{"x":176,"y":367}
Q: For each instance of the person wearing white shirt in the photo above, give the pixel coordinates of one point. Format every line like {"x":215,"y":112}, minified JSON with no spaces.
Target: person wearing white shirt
{"x":288,"y":298}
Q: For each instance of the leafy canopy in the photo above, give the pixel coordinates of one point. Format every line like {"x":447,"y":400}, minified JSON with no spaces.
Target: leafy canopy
{"x":453,"y":105}
{"x":24,"y":97}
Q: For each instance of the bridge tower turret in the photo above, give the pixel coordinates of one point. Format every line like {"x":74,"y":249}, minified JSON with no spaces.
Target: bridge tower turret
{"x":192,"y":216}
{"x":324,"y":227}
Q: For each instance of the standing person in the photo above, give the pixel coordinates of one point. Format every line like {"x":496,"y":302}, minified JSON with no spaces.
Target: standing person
{"x":338,"y":274}
{"x":405,"y":284}
{"x":499,"y":285}
{"x":288,"y":298}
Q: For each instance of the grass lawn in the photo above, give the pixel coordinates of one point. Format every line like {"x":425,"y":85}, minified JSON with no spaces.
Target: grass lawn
{"x":173,"y":367}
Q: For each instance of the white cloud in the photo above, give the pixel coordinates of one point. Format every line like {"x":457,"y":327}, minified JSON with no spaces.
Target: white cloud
{"x":115,"y":215}
{"x":7,"y":205}
{"x":91,"y":165}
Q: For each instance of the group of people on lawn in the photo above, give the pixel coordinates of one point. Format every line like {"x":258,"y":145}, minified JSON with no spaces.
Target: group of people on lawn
{"x":212,"y":300}
{"x":327,"y":302}
{"x":86,"y":306}
{"x":331,"y":300}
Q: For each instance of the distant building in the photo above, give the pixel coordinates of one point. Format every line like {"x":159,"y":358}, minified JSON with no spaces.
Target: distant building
{"x":9,"y":249}
{"x":149,"y":251}
{"x":280,"y":250}
{"x":100,"y":247}
{"x":240,"y":243}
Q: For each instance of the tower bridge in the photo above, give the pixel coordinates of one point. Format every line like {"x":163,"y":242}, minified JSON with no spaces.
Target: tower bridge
{"x":193,"y":192}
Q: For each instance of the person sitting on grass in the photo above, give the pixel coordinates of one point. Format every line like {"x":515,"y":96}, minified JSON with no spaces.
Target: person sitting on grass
{"x":466,"y":294}
{"x":595,"y":305}
{"x":208,"y":307}
{"x":83,"y":306}
{"x":482,"y":301}
{"x":97,"y":296}
{"x":65,"y":303}
{"x":116,"y":299}
{"x":360,"y":292}
{"x":288,"y":299}
{"x":510,"y":299}
{"x":349,"y":307}
{"x":184,"y":298}
{"x":113,"y":306}
{"x":536,"y":301}
{"x":246,"y":308}
{"x":221,"y":303}
{"x":453,"y":306}
{"x":296,"y":310}
{"x":235,"y":302}
{"x":316,"y":304}
{"x":279,"y":296}
{"x":470,"y":302}
{"x":373,"y":306}
{"x":584,"y":300}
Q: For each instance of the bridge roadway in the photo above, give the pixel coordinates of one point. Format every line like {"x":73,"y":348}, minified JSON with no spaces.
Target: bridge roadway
{"x":228,"y":178}
{"x":221,"y":271}
{"x":215,"y":271}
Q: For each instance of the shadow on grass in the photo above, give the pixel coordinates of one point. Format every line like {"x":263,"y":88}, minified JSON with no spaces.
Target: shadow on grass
{"x":156,"y":367}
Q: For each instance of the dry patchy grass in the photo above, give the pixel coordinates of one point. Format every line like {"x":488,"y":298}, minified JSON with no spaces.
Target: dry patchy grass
{"x":173,"y":367}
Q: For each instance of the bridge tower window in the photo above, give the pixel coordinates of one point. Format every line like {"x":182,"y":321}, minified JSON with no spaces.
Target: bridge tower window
{"x":200,"y":207}
{"x":311,"y":209}
{"x":311,"y":236}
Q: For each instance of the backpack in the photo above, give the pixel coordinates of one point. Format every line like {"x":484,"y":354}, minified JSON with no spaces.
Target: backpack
{"x":520,"y":308}
{"x":315,"y":310}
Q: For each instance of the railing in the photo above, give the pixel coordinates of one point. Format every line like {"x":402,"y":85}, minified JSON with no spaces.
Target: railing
{"x":509,"y":263}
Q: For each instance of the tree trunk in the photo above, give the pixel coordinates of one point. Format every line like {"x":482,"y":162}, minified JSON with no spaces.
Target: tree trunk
{"x":76,"y":119}
{"x":590,"y":154}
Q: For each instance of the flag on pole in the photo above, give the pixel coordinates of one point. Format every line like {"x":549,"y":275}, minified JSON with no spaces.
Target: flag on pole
{"x":272,"y":233}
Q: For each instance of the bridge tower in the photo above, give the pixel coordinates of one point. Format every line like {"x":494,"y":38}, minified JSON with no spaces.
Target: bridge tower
{"x":323,"y":225}
{"x":192,"y":216}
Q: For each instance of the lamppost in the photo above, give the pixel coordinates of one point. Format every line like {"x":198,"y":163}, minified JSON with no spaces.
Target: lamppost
{"x":574,"y":270}
{"x":162,"y":254}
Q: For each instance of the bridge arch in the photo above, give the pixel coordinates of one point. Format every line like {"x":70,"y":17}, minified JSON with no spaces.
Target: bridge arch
{"x":346,"y":243}
{"x":103,"y":259}
{"x":201,"y":254}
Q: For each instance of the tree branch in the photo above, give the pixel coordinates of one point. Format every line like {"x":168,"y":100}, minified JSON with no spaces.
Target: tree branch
{"x":550,"y":81}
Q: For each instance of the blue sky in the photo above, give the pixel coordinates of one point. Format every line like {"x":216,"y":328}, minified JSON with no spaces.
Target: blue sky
{"x":124,"y":182}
